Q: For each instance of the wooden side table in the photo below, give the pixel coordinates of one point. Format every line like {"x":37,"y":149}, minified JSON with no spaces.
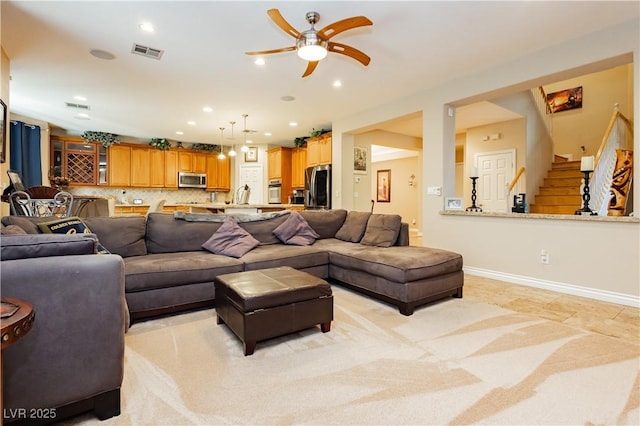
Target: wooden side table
{"x":18,"y":324}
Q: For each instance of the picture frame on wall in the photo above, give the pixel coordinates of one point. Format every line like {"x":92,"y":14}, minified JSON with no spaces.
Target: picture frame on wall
{"x":453,"y":203}
{"x":251,"y":156}
{"x":359,"y":160}
{"x":383,"y":185}
{"x":3,"y":132}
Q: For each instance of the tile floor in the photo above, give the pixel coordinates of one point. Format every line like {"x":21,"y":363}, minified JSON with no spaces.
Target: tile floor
{"x":619,"y":321}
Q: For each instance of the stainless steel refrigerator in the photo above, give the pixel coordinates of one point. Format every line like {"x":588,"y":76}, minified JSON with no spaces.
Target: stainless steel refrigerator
{"x":317,"y":187}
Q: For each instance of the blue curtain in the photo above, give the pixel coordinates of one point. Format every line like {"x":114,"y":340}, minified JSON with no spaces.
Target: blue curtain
{"x":25,"y":152}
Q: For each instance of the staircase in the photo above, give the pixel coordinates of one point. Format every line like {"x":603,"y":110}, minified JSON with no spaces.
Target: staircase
{"x":560,"y":193}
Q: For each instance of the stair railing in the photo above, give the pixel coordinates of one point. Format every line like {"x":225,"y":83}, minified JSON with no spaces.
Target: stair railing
{"x":544,"y":109}
{"x":618,"y":136}
{"x":515,"y":183}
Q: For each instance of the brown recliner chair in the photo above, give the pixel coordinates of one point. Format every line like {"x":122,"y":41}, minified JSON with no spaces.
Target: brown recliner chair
{"x":72,"y":359}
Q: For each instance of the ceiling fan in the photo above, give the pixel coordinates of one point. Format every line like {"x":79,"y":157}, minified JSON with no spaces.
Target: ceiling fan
{"x":313,"y":45}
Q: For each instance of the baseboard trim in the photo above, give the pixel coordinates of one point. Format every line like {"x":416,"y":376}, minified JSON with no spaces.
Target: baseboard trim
{"x":603,"y":295}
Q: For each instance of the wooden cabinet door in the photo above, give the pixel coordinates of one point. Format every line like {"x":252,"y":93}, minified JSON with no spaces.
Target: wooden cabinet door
{"x":157,"y":170}
{"x":185,"y":161}
{"x":170,"y":169}
{"x":199,"y":162}
{"x":212,"y":172}
{"x":140,"y":166}
{"x":325,"y":150}
{"x":224,"y":175}
{"x":119,"y":165}
{"x":298,"y":164}
{"x":274,"y":160}
{"x":313,"y":152}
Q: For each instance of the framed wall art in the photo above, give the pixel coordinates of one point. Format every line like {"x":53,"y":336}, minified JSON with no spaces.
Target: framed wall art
{"x":453,"y":203}
{"x":384,"y":186}
{"x":565,"y":99}
{"x":251,"y":156}
{"x":359,"y":160}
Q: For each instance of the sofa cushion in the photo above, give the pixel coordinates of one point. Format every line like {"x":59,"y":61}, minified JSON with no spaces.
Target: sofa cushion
{"x":120,"y":235}
{"x":325,"y":222}
{"x":402,"y":264}
{"x":45,"y":245}
{"x":296,"y":231}
{"x":262,"y":230}
{"x":273,"y":255}
{"x":230,"y":240}
{"x":163,"y":270}
{"x":168,"y":235}
{"x":69,"y":225}
{"x":12,"y":230}
{"x":353,"y":227}
{"x":28,"y":223}
{"x":382,"y":230}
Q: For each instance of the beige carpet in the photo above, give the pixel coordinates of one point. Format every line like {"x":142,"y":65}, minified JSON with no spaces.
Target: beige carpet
{"x":455,"y":362}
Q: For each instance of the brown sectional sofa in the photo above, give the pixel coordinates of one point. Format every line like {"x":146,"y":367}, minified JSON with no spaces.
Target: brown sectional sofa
{"x":167,"y":270}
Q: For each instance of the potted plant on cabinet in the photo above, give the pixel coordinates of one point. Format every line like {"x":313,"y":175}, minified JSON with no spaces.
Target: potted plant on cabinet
{"x":160,"y":143}
{"x":106,"y":139}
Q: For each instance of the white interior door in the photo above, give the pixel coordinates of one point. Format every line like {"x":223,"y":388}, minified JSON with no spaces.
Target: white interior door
{"x":495,"y":172}
{"x":252,"y":175}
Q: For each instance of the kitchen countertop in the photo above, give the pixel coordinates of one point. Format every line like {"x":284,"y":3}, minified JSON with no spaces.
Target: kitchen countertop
{"x":234,"y":206}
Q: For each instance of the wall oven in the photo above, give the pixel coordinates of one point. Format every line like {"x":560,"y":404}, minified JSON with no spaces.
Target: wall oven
{"x":192,"y":180}
{"x":275,"y":191}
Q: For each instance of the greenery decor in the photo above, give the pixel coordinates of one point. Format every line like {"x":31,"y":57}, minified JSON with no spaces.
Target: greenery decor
{"x":315,"y":132}
{"x":106,"y":139}
{"x":160,"y":143}
{"x":300,"y":141}
{"x":205,"y":147}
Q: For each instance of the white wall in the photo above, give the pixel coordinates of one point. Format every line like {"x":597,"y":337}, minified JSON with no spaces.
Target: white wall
{"x":591,"y":258}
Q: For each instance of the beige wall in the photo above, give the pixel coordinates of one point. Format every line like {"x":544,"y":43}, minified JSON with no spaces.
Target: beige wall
{"x":585,"y":255}
{"x":586,"y":126}
{"x":403,"y":197}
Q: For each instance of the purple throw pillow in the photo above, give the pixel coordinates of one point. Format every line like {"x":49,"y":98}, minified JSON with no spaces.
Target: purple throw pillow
{"x":230,"y":240}
{"x":296,"y":231}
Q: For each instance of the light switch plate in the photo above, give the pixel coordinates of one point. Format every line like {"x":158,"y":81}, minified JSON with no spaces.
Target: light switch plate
{"x":434,"y":190}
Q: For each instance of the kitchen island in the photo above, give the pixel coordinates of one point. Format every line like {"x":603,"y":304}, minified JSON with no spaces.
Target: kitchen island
{"x":230,"y":208}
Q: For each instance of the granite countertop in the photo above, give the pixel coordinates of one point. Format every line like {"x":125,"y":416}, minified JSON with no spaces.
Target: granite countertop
{"x":619,"y":219}
{"x":231,"y":206}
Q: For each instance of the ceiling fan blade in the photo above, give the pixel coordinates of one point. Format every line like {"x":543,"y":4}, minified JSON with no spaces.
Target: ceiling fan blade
{"x":279,"y":20}
{"x":266,"y":52}
{"x":343,"y":25}
{"x":310,"y":68}
{"x":349,"y":51}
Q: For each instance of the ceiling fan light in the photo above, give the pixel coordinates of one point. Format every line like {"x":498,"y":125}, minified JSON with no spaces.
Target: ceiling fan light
{"x":311,"y":48}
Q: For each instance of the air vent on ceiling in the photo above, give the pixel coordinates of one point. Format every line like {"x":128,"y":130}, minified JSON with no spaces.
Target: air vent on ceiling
{"x":149,"y":52}
{"x":77,"y":106}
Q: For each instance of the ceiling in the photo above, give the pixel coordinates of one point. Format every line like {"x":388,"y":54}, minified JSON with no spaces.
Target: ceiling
{"x":413,"y":46}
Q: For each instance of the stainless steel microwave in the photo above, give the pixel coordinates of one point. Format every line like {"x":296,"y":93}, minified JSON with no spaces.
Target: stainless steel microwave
{"x":192,"y":180}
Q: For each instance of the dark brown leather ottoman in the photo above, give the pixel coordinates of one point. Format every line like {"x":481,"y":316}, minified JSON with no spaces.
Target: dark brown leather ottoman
{"x":258,"y":305}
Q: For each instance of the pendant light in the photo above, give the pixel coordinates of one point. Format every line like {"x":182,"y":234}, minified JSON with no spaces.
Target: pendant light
{"x":245,"y":148}
{"x":232,"y":152}
{"x":221,"y":156}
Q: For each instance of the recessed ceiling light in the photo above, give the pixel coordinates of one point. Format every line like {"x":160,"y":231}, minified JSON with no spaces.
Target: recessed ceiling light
{"x":287,"y":98}
{"x":146,"y":27}
{"x":179,"y":132}
{"x":102,"y":54}
{"x":207,"y":109}
{"x":79,"y":98}
{"x":259,"y":61}
{"x":293,"y":124}
{"x":267,"y":133}
{"x":249,"y":141}
{"x":82,"y":116}
{"x":191,"y":123}
{"x":337,"y":83}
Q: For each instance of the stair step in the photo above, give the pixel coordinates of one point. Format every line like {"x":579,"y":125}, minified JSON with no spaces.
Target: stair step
{"x":567,"y":200}
{"x":559,"y":190}
{"x":535,"y":208}
{"x":565,"y":173}
{"x":564,"y":165}
{"x":572,"y":181}
{"x":559,"y":159}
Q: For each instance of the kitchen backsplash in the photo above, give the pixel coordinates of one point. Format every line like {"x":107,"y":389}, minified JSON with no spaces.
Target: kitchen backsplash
{"x":148,"y":196}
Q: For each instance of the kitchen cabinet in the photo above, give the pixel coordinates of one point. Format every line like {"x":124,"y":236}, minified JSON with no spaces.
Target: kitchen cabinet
{"x":131,"y":210}
{"x":185,"y":161}
{"x":192,"y":162}
{"x":319,"y":150}
{"x":84,"y":163}
{"x":279,"y":168}
{"x":218,"y":174}
{"x":157,"y":172}
{"x":170,"y":169}
{"x":119,"y":165}
{"x":298,"y":165}
{"x":140,"y":166}
{"x":199,"y":163}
